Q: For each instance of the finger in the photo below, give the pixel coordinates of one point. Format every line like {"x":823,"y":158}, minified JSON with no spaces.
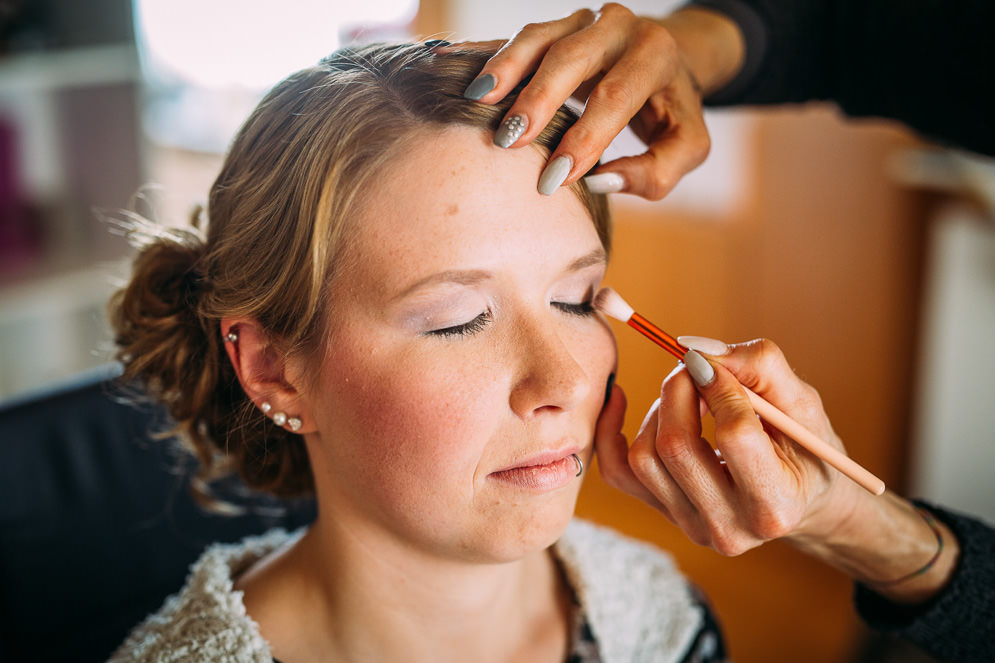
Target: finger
{"x":651,"y":472}
{"x":750,"y":455}
{"x":521,"y":55}
{"x":566,"y":68}
{"x":761,"y":365}
{"x":648,"y":65}
{"x":612,"y":449}
{"x":689,"y":459}
{"x":676,"y":147}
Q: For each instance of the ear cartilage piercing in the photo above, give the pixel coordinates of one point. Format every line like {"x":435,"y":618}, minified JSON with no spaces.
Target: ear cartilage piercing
{"x":265,"y":407}
{"x":580,"y":464}
{"x":294,"y":423}
{"x":231,"y":337}
{"x":279,"y":418}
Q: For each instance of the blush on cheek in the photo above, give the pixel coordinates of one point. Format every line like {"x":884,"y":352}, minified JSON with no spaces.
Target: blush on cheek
{"x":400,"y":423}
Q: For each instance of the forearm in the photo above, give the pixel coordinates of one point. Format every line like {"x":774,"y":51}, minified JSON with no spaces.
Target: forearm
{"x":920,"y":63}
{"x":883,"y":543}
{"x":710,"y":43}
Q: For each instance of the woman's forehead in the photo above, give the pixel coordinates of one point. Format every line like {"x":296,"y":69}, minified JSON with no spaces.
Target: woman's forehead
{"x":459,"y":174}
{"x":451,"y":199}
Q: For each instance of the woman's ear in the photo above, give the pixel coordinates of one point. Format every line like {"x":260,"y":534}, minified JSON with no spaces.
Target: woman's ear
{"x":263,"y":373}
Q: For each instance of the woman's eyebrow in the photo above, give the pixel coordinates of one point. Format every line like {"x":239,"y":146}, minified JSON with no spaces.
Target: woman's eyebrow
{"x":474,"y":276}
{"x":595,"y":257}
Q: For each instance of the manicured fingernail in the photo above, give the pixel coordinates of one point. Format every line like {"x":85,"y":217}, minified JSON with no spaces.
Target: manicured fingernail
{"x":709,"y":346}
{"x":480,"y":86}
{"x":605,"y":183}
{"x":433,"y":43}
{"x":556,"y":171}
{"x":701,"y":371}
{"x":511,"y":130}
{"x":608,"y":389}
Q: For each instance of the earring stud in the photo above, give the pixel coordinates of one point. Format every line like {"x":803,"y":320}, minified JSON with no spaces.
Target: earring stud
{"x":279,"y":418}
{"x":294,"y":423}
{"x":265,"y":407}
{"x":231,"y":337}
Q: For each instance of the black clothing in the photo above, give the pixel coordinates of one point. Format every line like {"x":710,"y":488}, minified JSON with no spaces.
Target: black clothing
{"x":926,"y":63}
{"x":957,"y":625}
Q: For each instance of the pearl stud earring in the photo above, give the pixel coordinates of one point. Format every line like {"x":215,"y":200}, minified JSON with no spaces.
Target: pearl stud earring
{"x":231,"y":337}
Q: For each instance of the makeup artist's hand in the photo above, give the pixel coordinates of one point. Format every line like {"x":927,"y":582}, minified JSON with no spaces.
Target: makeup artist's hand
{"x":647,"y":73}
{"x":763,"y":486}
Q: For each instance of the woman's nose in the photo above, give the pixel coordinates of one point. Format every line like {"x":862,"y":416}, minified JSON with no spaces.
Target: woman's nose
{"x":549,"y":375}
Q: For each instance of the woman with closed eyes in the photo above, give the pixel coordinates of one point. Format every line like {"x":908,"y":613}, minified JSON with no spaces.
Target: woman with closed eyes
{"x":386,"y":314}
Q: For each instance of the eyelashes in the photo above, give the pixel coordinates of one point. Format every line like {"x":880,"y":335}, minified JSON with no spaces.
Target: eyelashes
{"x":465,"y":329}
{"x":581,"y":309}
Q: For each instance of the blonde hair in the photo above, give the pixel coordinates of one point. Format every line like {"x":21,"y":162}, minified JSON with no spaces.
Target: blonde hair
{"x":295,"y":171}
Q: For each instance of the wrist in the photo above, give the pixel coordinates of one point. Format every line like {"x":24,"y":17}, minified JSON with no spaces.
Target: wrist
{"x":711,"y":45}
{"x":886,"y":544}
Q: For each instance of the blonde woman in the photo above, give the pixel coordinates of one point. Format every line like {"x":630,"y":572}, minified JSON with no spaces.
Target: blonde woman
{"x":386,"y":314}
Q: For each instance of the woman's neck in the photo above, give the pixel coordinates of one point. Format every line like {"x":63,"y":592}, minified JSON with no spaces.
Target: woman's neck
{"x":335,"y":596}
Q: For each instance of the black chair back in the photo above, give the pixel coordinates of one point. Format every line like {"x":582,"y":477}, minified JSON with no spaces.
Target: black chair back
{"x":97,"y":525}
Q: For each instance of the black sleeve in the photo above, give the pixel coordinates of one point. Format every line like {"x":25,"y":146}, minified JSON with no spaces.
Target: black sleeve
{"x":927,"y":63}
{"x":957,"y":625}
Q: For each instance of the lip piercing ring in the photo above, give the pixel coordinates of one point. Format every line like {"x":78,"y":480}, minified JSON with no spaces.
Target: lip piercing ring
{"x":580,"y":464}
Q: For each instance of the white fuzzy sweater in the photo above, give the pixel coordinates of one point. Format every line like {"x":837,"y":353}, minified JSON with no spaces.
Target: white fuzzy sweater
{"x":637,"y":604}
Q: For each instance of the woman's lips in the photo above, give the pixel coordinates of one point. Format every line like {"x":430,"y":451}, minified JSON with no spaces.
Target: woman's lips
{"x":540,"y":475}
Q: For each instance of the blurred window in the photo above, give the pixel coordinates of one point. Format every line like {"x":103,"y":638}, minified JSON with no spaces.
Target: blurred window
{"x":206,"y":63}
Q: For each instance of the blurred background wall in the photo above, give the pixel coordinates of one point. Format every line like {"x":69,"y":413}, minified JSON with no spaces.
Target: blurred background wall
{"x":866,"y":254}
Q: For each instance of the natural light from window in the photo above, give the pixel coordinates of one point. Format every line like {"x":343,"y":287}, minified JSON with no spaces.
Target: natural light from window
{"x":219,"y":43}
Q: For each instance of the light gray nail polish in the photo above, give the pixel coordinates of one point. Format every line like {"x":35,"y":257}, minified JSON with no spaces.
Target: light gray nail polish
{"x":605,"y":183}
{"x":480,"y":86}
{"x":709,"y":346}
{"x":701,"y":371}
{"x":555,"y":172}
{"x":510,"y":130}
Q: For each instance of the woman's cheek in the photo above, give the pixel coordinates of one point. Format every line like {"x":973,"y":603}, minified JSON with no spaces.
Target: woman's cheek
{"x":603,"y":354}
{"x":423,"y":416}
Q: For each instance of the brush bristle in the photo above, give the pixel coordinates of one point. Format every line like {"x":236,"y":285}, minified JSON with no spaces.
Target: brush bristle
{"x":611,"y":304}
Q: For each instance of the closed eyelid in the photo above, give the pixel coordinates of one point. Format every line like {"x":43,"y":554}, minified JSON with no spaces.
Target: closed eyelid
{"x":451,"y":277}
{"x":464,"y":329}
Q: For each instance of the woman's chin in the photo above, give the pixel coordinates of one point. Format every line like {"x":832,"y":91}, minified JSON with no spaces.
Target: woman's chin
{"x":514,"y":538}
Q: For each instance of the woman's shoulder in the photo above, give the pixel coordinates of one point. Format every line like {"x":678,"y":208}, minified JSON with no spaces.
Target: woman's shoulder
{"x":206,"y":620}
{"x":639,"y":606}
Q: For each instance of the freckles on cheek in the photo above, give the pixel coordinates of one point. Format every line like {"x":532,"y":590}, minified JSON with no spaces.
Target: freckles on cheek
{"x":403,"y":420}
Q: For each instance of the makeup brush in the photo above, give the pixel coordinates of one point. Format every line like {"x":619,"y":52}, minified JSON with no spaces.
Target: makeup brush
{"x":611,"y":304}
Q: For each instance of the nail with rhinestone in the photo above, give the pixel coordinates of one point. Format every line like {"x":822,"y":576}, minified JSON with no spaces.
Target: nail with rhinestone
{"x":279,"y":418}
{"x":294,"y":423}
{"x":510,"y":130}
